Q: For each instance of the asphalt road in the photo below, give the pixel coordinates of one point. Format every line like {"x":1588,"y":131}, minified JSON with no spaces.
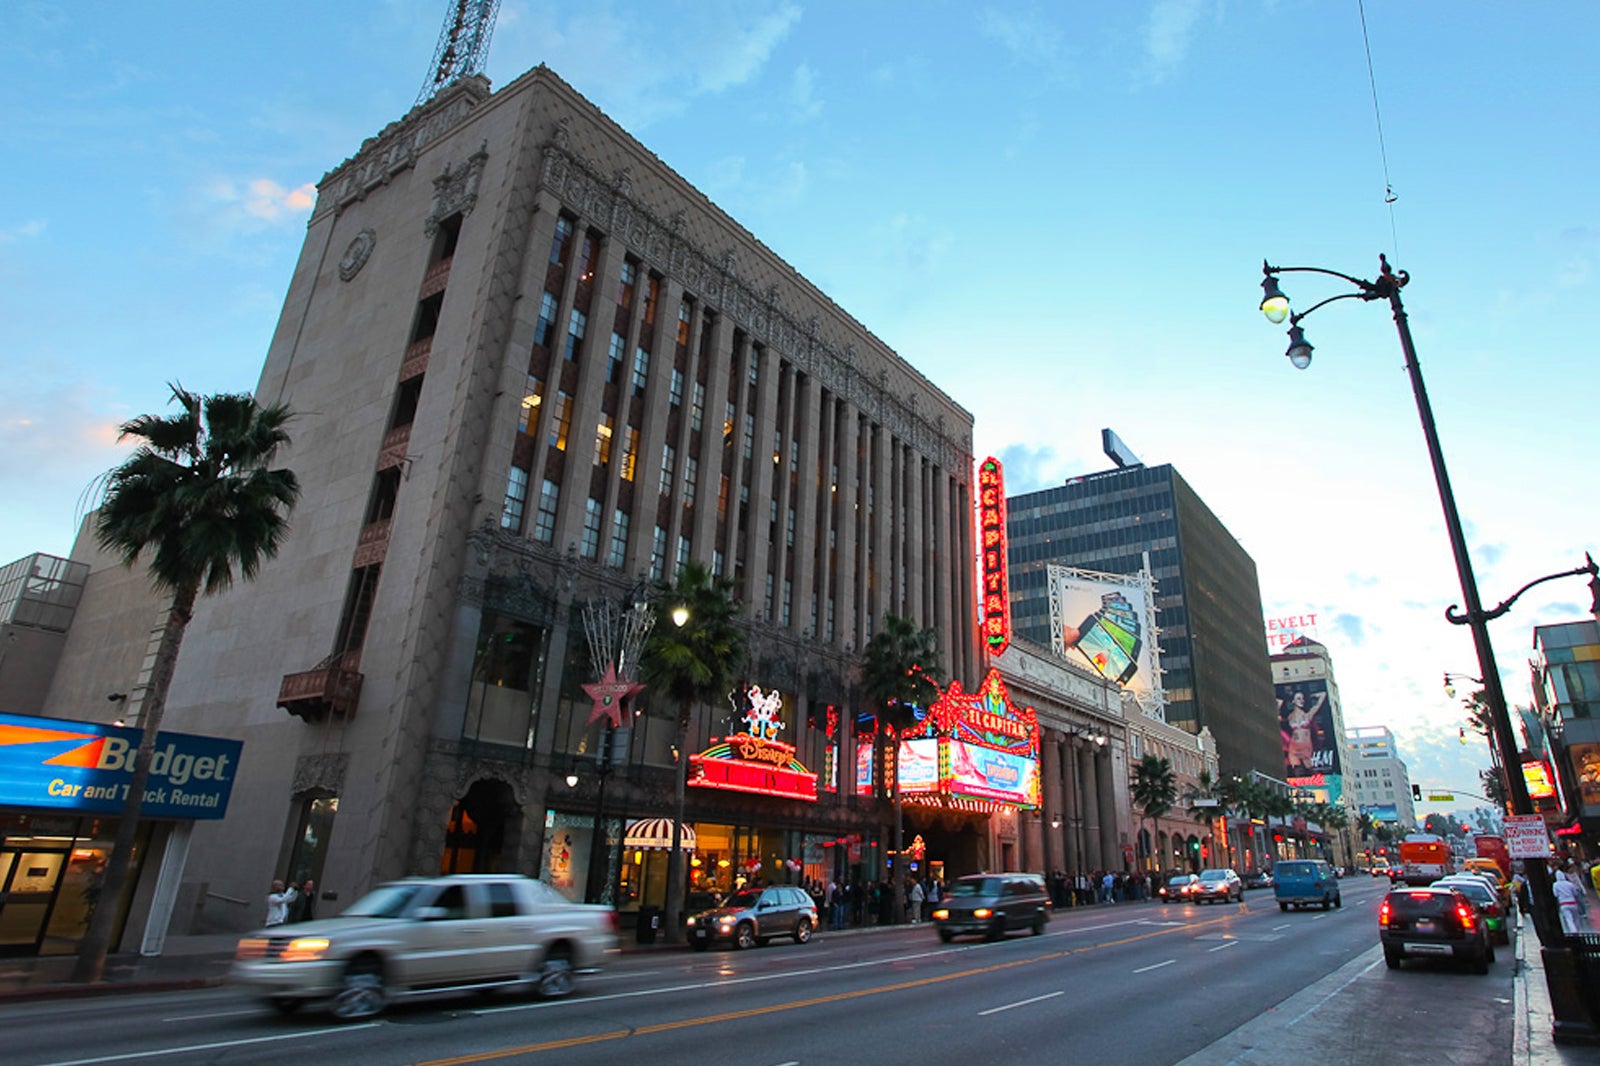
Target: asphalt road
{"x":1131,"y":983}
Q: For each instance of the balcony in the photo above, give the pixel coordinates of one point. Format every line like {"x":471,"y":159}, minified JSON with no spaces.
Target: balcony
{"x":332,"y":688}
{"x":395,"y":442}
{"x":373,"y":544}
{"x":433,"y":282}
{"x":416,"y":361}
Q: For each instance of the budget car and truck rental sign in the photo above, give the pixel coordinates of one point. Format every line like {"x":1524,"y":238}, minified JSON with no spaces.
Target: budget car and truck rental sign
{"x":60,"y":764}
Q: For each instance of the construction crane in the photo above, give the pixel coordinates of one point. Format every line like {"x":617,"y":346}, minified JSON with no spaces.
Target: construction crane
{"x":463,"y":44}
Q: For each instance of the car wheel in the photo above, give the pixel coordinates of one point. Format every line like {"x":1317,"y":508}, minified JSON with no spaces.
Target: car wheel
{"x":744,"y":937}
{"x":1488,"y":952}
{"x":1338,"y":902}
{"x":802,"y":932}
{"x":946,"y":936}
{"x":361,"y":993}
{"x":555,"y":975}
{"x":1480,"y":963}
{"x":1038,"y":925}
{"x":1284,"y":907}
{"x":284,"y":1005}
{"x":1391,"y":958}
{"x":995,"y":931}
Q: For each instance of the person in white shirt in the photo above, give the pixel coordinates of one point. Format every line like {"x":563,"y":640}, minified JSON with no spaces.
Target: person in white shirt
{"x":278,"y":901}
{"x":1569,"y":902}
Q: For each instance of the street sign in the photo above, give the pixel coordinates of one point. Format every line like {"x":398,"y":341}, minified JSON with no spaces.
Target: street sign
{"x":1441,"y":797}
{"x":1526,"y":837}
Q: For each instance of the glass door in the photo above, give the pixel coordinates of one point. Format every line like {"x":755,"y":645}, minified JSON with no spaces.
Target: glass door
{"x":28,"y":882}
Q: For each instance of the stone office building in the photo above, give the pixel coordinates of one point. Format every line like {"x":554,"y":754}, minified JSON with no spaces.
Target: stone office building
{"x":533,"y":370}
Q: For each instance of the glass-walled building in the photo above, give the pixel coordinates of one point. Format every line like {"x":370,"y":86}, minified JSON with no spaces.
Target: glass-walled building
{"x":1566,"y":674}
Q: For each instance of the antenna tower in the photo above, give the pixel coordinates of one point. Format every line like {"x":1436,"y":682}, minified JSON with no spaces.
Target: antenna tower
{"x":463,"y":44}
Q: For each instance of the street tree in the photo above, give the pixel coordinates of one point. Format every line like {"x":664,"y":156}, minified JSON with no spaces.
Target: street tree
{"x":198,"y":500}
{"x":900,"y":674}
{"x":690,"y":659}
{"x":1154,"y":789}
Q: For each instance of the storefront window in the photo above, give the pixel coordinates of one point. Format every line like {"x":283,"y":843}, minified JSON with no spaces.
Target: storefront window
{"x":506,"y":677}
{"x":51,"y":868}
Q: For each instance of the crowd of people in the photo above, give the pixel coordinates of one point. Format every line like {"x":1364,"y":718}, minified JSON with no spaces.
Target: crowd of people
{"x":843,"y":903}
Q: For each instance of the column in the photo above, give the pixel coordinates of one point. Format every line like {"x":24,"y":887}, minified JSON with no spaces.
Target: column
{"x":1050,"y":800}
{"x":1089,"y":796}
{"x":1106,"y":794}
{"x":1072,"y":813}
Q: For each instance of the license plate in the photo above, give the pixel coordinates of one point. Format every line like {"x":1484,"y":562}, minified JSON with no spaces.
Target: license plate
{"x":1425,"y":925}
{"x":1428,"y":949}
{"x":700,"y":934}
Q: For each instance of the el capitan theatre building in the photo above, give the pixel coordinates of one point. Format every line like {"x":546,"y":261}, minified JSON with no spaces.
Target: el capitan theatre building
{"x":62,"y":784}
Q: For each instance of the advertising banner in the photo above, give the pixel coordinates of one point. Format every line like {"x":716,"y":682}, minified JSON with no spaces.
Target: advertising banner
{"x":1586,"y":767}
{"x":990,"y":774}
{"x":85,"y":767}
{"x":1305,"y":722}
{"x":1106,"y":622}
{"x":919,"y":765}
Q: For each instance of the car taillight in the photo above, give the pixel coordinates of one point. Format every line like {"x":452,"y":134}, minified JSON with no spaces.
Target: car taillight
{"x":1469,"y":919}
{"x":1384,"y":913}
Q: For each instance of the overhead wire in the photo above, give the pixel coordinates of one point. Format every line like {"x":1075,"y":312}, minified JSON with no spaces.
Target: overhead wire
{"x":1389,"y":195}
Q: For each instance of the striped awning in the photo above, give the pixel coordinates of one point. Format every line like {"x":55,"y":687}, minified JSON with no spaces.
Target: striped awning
{"x":656,"y":833}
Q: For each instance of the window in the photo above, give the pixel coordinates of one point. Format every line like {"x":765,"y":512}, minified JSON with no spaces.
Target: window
{"x":717,"y":564}
{"x":755,"y":365}
{"x":630,"y":276}
{"x":616,"y":354}
{"x":749,"y":435}
{"x":602,"y":440}
{"x":788,"y":601}
{"x":619,"y":539}
{"x":630,"y":452}
{"x":561,"y":242}
{"x":767,"y":610}
{"x":641,"y":370}
{"x":528,"y":416}
{"x":697,"y":407}
{"x":788,"y":533}
{"x":562,"y":423}
{"x":544,"y":520}
{"x":589,"y":545}
{"x":691,"y":474}
{"x":675,"y":388}
{"x":683,"y":550}
{"x":685,"y":316}
{"x":658,"y":554}
{"x":516,"y":499}
{"x":547,"y":320}
{"x":575,"y":327}
{"x":669,"y":456}
{"x":652,"y":299}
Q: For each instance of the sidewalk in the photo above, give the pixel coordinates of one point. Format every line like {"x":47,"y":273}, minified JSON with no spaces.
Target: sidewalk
{"x":202,"y":961}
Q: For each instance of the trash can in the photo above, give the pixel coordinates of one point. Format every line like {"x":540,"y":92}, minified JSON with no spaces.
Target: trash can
{"x":1585,"y":949}
{"x":649,"y":924}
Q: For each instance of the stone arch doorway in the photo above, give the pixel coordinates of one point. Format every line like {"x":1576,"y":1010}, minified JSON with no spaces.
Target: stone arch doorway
{"x":484,"y":829}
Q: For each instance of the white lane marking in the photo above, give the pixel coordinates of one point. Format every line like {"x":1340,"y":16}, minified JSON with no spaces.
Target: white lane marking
{"x":245,"y":1042}
{"x":1229,"y":944}
{"x":1157,"y":966}
{"x":1285,"y":925}
{"x":214,"y":1014}
{"x":1021,"y":1003}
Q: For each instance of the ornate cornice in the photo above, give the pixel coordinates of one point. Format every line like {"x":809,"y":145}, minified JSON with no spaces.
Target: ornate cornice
{"x":321,"y":773}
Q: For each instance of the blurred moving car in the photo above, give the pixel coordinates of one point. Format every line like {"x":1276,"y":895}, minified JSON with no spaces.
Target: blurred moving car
{"x":1380,"y":867}
{"x":1217,"y":885}
{"x":1257,"y":879}
{"x":1487,"y":899}
{"x":1177,"y":888}
{"x":754,"y":916}
{"x":993,"y":905}
{"x":424,"y":936}
{"x":1305,"y":883}
{"x":1433,"y":922}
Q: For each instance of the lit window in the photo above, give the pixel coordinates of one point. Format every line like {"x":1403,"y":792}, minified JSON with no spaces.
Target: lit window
{"x":528,"y":415}
{"x":562,"y":422}
{"x":602,"y":441}
{"x":630,"y":452}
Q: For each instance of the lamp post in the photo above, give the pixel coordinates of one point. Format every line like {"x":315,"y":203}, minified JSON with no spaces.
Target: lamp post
{"x":1560,"y":968}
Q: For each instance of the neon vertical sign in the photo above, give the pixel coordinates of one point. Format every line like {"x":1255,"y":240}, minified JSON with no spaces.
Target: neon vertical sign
{"x":996,"y":623}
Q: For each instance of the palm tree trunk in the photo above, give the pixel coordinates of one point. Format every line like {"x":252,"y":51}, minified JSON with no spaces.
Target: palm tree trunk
{"x":96,"y":943}
{"x":673,"y":920}
{"x":899,"y":845}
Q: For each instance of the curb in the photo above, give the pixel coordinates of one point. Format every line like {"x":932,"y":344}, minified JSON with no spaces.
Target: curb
{"x":103,"y":988}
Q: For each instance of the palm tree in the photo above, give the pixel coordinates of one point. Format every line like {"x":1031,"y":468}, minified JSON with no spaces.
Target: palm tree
{"x":1206,"y":788}
{"x":1336,"y":817}
{"x":899,"y":673}
{"x":690,"y":662}
{"x":199,"y":496}
{"x":1154,"y":789}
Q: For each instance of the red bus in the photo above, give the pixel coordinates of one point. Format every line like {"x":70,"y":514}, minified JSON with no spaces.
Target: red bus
{"x":1424,"y":858}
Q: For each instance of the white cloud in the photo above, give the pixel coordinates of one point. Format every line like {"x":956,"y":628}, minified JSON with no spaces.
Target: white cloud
{"x":32,"y":228}
{"x":802,"y":93}
{"x":1168,"y":32}
{"x":227,"y":208}
{"x":1029,"y":37}
{"x":744,"y":49}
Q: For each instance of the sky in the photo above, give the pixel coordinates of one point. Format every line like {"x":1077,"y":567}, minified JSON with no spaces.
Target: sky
{"x":1057,"y":212}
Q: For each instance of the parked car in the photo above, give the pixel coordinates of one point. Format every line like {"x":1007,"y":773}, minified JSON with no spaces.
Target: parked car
{"x":1487,"y":899}
{"x":1490,"y":869}
{"x":423,"y":936}
{"x":1177,"y":888}
{"x":1257,"y":879}
{"x":1433,"y":922}
{"x":754,"y":916}
{"x":992,"y":905}
{"x":1305,"y":883}
{"x":1219,"y":884}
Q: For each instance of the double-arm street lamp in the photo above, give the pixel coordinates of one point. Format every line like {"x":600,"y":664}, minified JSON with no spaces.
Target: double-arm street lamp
{"x":1560,"y":967}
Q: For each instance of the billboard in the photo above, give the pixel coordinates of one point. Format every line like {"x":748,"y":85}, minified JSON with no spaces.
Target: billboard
{"x":973,"y":746}
{"x":919,"y":765}
{"x":1586,"y":767}
{"x":1381,"y":812}
{"x":1106,"y":622}
{"x":61,"y":764}
{"x":1305,"y":723}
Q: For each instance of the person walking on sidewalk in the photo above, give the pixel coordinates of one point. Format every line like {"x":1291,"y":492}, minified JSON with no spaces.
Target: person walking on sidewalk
{"x":1569,"y":901}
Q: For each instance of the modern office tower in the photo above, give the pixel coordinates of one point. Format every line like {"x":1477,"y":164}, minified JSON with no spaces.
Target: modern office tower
{"x":1377,"y":781}
{"x":533,"y":372}
{"x":1310,"y":720}
{"x":1214,"y":665}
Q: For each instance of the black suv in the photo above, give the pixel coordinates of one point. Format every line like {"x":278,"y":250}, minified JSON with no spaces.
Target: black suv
{"x":992,"y":905}
{"x":1433,"y":922}
{"x":754,"y":916}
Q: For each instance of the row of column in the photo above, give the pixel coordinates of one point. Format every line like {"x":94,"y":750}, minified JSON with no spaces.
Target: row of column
{"x":1077,"y":824}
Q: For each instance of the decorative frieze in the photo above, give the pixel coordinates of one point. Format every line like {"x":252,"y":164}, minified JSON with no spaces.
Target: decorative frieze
{"x":322,"y":772}
{"x":456,"y":190}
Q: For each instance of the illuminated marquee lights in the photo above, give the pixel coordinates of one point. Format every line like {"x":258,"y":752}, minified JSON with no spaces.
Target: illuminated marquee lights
{"x":996,"y":616}
{"x":988,"y":748}
{"x":755,"y":761}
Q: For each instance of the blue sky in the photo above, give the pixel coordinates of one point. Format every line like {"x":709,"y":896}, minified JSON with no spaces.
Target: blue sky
{"x":1056,"y":211}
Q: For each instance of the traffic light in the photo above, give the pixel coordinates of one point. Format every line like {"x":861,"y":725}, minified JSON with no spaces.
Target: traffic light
{"x":1416,"y":793}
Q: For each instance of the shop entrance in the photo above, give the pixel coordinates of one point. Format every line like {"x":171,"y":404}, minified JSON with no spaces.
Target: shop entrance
{"x":955,"y":843}
{"x":50,"y":874}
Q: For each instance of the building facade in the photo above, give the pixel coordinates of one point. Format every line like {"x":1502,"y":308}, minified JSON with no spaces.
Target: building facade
{"x":1566,"y":689}
{"x":1214,"y":670}
{"x":535,"y":371}
{"x":1378,"y":783}
{"x":1311,"y":721}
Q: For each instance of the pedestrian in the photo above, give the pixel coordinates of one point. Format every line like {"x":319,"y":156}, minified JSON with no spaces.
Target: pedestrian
{"x":1108,"y":884}
{"x":305,"y":905}
{"x":1569,"y":900}
{"x":916,"y":897}
{"x":278,"y":901}
{"x":935,"y":893}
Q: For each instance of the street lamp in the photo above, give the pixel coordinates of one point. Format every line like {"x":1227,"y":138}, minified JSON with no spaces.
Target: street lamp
{"x":1560,"y":967}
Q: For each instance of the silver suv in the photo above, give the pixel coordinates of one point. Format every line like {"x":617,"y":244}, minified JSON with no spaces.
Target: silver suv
{"x":754,"y":916}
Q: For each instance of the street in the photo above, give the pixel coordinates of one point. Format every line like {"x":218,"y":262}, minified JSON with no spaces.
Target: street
{"x":1137,"y":982}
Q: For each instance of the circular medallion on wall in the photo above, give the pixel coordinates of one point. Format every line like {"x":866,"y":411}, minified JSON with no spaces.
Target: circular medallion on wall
{"x":356,"y":255}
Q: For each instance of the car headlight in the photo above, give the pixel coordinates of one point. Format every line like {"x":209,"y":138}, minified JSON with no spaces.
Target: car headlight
{"x":304,"y":949}
{"x":726,"y":923}
{"x":941,"y":914}
{"x":983,"y":912}
{"x":691,"y":921}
